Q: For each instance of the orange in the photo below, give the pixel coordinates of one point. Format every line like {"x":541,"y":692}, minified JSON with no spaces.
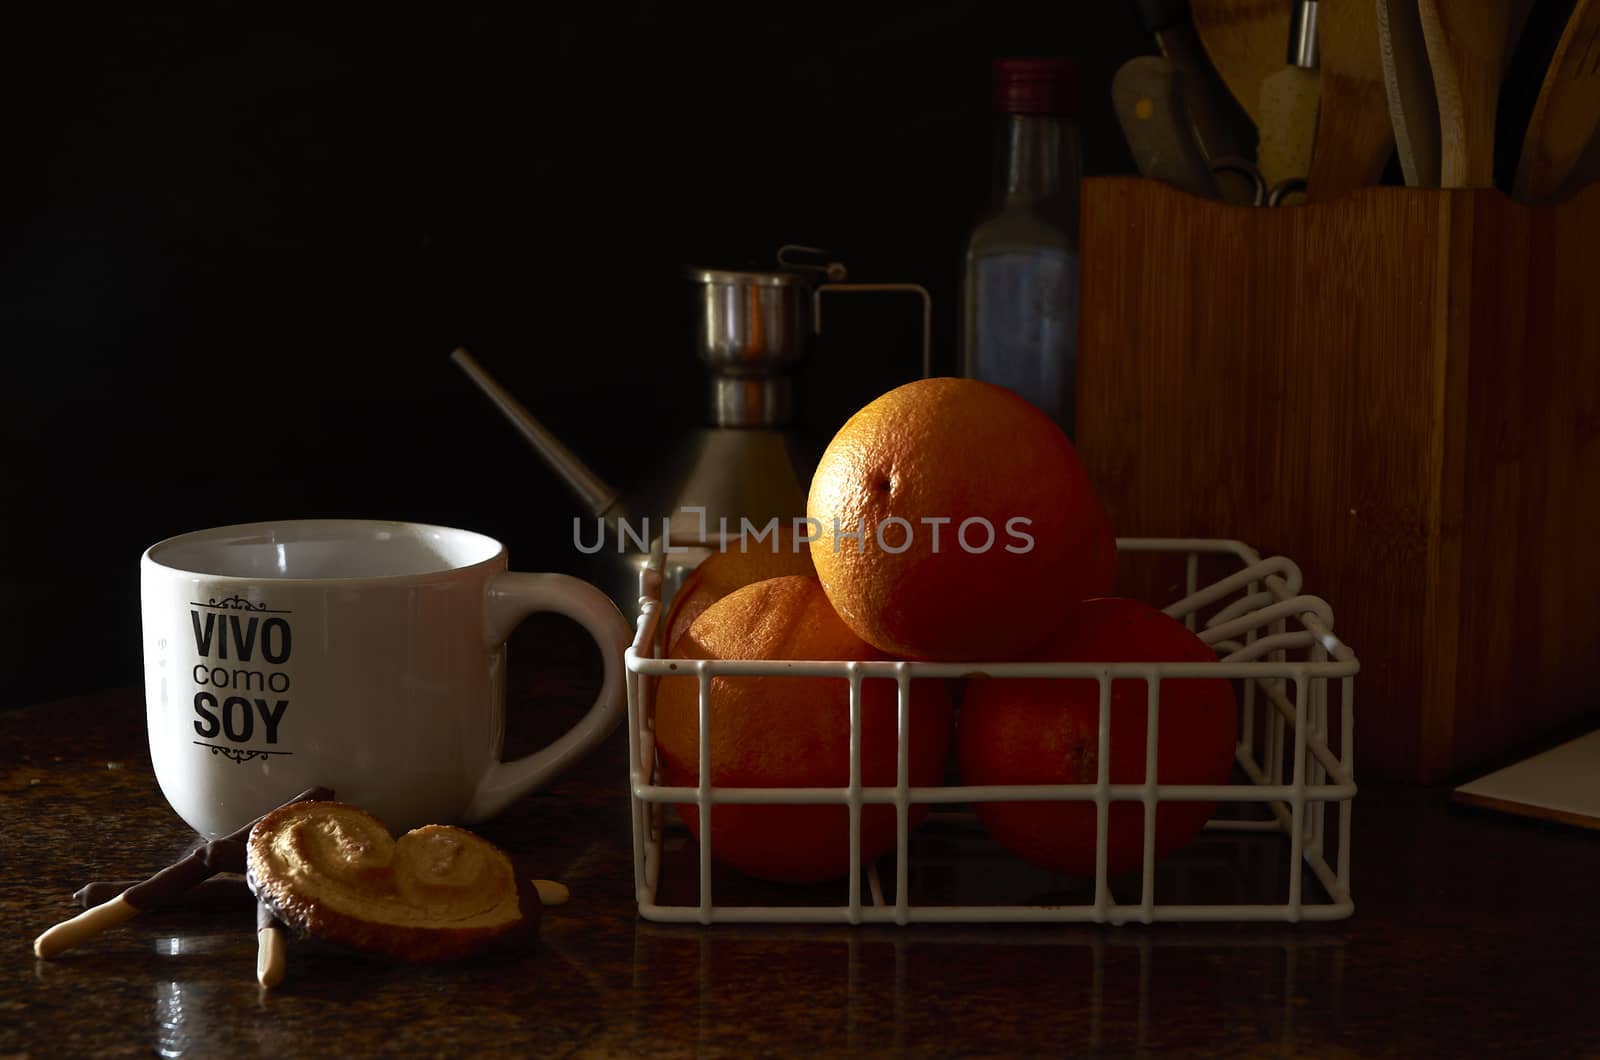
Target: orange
{"x":1046,"y":731}
{"x":744,"y":562}
{"x":792,"y":732}
{"x":979,"y":526}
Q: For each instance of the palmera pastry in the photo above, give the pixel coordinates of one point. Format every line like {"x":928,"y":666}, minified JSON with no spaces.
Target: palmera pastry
{"x":332,"y":872}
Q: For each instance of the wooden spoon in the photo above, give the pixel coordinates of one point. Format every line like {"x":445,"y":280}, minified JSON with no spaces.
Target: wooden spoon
{"x":1354,"y":134}
{"x":1468,"y":42}
{"x":1408,"y":80}
{"x":1568,"y":109}
{"x":1244,"y":39}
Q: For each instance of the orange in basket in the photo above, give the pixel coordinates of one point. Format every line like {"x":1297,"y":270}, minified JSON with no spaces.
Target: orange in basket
{"x":1046,"y":731}
{"x":744,"y":562}
{"x":791,"y":732}
{"x":977,"y":524}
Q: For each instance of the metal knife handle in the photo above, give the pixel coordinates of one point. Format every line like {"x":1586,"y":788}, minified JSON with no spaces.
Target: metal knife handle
{"x":1303,"y":35}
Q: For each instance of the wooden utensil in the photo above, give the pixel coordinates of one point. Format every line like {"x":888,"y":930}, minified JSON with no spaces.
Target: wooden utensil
{"x":1526,"y":67}
{"x":1567,"y":112}
{"x":1354,"y":133}
{"x":1147,"y":94}
{"x":1244,"y":39}
{"x":1408,"y":82}
{"x":1468,"y":43}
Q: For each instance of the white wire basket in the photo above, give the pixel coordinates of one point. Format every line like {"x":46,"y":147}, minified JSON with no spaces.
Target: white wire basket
{"x":1277,"y":855}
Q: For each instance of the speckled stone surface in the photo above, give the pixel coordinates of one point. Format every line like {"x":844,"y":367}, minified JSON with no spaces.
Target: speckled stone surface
{"x":1474,"y":935}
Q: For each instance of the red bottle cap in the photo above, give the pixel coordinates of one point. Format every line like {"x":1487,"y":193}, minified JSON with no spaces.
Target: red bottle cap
{"x":1035,"y":86}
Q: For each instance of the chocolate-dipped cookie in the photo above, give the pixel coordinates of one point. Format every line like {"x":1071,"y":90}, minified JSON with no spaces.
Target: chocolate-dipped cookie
{"x":332,"y":872}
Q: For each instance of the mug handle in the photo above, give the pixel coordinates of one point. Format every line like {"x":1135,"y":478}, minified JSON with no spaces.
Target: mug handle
{"x":512,"y":597}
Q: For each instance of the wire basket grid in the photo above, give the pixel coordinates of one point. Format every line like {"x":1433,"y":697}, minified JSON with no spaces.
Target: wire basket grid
{"x":1273,"y":639}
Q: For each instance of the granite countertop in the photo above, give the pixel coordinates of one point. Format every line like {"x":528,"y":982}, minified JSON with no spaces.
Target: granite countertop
{"x":1474,"y":934}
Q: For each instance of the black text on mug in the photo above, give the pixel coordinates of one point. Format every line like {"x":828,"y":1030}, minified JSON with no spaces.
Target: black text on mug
{"x":240,"y":671}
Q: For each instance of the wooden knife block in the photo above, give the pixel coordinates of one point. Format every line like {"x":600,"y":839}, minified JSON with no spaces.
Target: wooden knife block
{"x":1400,"y":390}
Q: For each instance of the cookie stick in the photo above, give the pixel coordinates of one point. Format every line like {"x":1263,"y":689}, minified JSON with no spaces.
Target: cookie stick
{"x":217,"y":856}
{"x":221,"y":855}
{"x":86,"y":925}
{"x":551,"y":892}
{"x":222,"y":891}
{"x":270,"y":958}
{"x":231,"y":892}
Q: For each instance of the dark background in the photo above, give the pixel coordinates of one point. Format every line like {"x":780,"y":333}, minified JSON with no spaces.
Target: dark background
{"x":238,"y":247}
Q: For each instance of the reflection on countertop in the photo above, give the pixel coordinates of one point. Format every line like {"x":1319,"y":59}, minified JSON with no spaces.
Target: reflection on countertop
{"x":1472,"y":935}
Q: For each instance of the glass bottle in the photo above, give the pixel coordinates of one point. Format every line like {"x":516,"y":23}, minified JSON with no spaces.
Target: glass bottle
{"x":1020,"y":283}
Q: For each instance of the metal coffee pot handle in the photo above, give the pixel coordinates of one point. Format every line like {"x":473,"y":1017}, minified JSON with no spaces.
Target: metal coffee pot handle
{"x":793,"y":258}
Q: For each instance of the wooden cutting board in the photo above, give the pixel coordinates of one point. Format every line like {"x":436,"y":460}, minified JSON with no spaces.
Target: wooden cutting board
{"x":1562,"y":784}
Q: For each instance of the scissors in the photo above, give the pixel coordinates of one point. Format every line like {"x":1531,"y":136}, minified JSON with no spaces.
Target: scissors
{"x":1263,"y":194}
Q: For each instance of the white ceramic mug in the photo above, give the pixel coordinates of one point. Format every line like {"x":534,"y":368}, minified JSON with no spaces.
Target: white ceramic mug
{"x":368,"y":657}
